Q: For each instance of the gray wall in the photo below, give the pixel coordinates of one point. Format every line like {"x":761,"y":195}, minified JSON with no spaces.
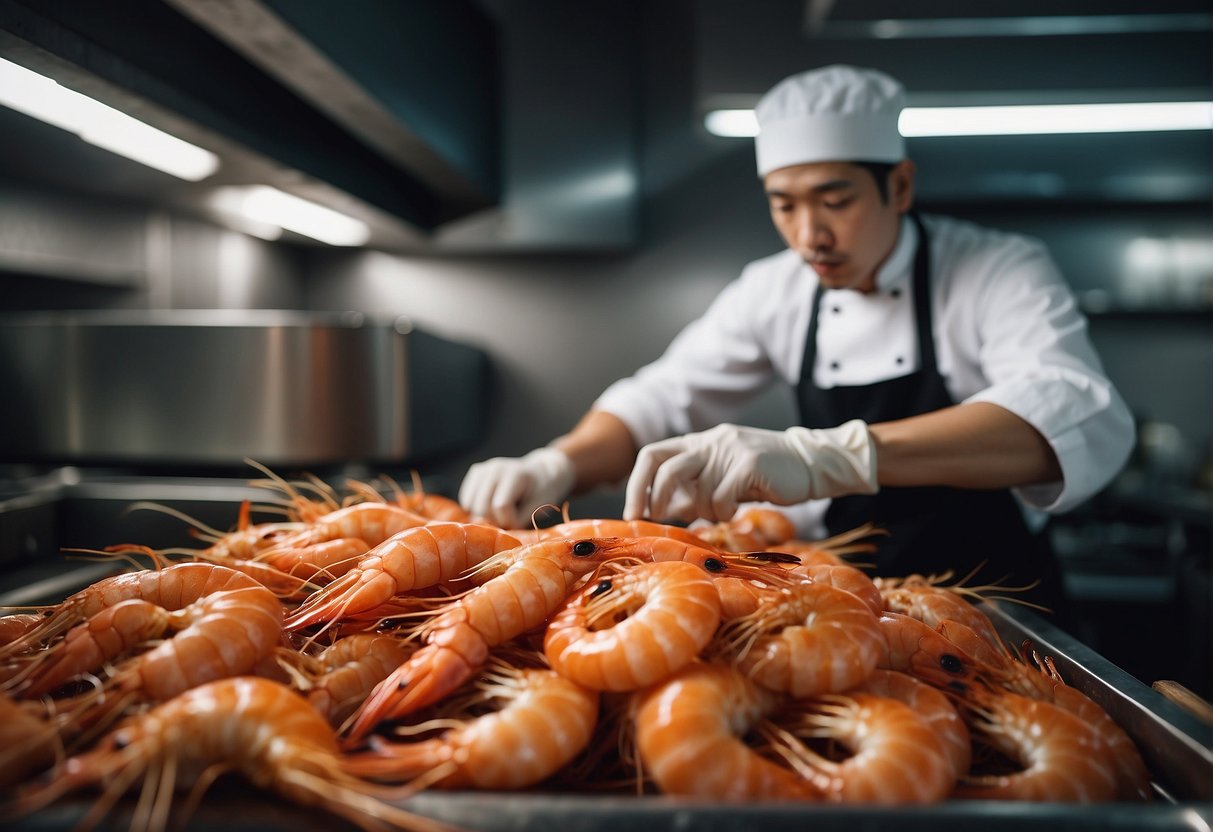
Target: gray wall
{"x":77,"y":251}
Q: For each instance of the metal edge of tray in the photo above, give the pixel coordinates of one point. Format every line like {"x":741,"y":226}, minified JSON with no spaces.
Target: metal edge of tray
{"x":236,"y":807}
{"x":1175,"y":745}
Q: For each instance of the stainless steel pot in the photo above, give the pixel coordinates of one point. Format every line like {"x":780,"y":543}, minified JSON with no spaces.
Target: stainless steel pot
{"x":203,"y":386}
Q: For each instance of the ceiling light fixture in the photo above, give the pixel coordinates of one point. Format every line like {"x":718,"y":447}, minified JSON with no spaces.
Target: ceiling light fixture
{"x":1015,"y":120}
{"x":102,"y":125}
{"x":266,"y":205}
{"x":1054,"y":25}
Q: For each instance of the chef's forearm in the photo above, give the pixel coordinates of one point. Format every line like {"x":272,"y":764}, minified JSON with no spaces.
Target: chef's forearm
{"x":601,"y":447}
{"x":976,"y":445}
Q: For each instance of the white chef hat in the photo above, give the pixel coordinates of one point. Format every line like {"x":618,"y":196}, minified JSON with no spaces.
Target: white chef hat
{"x":834,"y":114}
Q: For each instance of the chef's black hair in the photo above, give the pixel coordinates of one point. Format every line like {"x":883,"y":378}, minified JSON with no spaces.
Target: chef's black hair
{"x":880,"y":172}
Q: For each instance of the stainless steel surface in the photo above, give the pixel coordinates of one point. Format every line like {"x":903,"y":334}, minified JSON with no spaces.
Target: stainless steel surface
{"x":203,"y":387}
{"x":1176,"y":746}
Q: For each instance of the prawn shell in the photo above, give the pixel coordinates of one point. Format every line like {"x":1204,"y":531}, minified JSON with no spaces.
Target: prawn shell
{"x":812,"y":639}
{"x":897,"y":757}
{"x":689,"y":731}
{"x":546,"y":721}
{"x":679,"y":613}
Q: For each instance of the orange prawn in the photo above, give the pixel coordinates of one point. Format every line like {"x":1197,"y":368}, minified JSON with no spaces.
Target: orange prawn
{"x":750,"y":530}
{"x":928,"y":600}
{"x":546,"y":721}
{"x":934,"y":707}
{"x":317,"y":562}
{"x":896,"y":757}
{"x":256,"y":727}
{"x":16,"y":626}
{"x":848,"y":578}
{"x":621,"y":528}
{"x":173,"y":585}
{"x":628,"y":630}
{"x":1041,"y":680}
{"x":370,"y":522}
{"x":223,"y":633}
{"x":28,"y":742}
{"x":338,"y":680}
{"x":429,"y":504}
{"x":1063,"y":756}
{"x":413,"y":559}
{"x":914,"y":648}
{"x":537,"y":581}
{"x":806,"y":639}
{"x":689,"y":730}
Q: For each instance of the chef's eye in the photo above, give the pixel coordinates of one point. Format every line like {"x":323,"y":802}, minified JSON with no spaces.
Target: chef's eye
{"x":838,"y":203}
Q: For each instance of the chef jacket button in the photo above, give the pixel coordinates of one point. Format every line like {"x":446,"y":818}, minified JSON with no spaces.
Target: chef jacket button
{"x":896,"y":293}
{"x":900,"y":360}
{"x":834,"y":365}
{"x":837,"y":310}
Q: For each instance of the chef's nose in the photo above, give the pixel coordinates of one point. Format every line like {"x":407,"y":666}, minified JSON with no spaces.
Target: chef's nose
{"x":811,"y":231}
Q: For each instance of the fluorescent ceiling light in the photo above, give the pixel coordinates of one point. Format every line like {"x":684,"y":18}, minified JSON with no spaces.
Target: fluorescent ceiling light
{"x":731,"y":123}
{"x":102,"y":125}
{"x":1056,"y":118}
{"x":1016,"y":120}
{"x":1001,"y":27}
{"x":266,"y":205}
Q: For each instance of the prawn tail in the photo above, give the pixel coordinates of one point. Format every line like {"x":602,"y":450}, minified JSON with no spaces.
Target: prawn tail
{"x":432,"y":673}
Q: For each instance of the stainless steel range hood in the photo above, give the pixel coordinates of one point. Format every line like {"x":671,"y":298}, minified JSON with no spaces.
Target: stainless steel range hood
{"x":385,"y":111}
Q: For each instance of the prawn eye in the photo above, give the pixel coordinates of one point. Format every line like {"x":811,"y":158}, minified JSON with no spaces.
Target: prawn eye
{"x":714,"y":565}
{"x":603,"y":586}
{"x":584,"y":548}
{"x":952,"y":664}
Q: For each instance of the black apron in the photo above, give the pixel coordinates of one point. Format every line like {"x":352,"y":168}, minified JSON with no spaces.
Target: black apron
{"x":932,"y":530}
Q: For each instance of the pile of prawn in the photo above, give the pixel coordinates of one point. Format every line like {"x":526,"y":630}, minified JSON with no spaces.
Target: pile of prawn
{"x":355,"y":650}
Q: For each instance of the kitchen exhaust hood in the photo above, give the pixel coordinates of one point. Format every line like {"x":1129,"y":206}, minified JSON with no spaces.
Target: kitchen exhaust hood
{"x":386,"y":112}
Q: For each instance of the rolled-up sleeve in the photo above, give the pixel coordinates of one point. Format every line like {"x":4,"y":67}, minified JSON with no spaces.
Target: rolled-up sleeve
{"x":1037,"y":356}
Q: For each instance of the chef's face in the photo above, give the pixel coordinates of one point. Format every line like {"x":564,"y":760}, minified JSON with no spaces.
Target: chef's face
{"x":833,"y":216}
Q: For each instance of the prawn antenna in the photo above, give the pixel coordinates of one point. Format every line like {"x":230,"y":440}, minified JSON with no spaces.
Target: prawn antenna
{"x":123,"y":552}
{"x":986,"y":592}
{"x":193,"y":522}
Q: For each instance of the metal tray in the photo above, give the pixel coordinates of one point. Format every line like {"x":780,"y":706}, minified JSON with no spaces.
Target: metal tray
{"x":1176,"y":746}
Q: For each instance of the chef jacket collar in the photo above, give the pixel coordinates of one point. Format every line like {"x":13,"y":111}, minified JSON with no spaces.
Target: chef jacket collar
{"x":900,"y":263}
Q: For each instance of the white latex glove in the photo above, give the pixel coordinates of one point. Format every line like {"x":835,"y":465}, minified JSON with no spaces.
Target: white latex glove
{"x":506,"y":490}
{"x":707,"y":474}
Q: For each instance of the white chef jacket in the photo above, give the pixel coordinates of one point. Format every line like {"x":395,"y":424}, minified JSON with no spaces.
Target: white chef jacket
{"x":1007,"y":330}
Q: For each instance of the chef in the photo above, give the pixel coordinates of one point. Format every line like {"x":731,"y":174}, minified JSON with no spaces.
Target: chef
{"x":947,"y":387}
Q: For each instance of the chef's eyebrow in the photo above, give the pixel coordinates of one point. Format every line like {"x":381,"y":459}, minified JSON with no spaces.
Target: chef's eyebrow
{"x":824,"y":187}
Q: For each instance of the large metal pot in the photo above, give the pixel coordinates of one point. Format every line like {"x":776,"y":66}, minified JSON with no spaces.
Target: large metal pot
{"x":203,"y":386}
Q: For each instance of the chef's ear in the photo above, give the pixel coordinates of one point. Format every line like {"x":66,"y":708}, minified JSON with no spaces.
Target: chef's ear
{"x":901,"y":185}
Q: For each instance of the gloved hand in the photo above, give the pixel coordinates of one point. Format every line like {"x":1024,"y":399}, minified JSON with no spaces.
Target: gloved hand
{"x":707,"y":474}
{"x":506,"y":490}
